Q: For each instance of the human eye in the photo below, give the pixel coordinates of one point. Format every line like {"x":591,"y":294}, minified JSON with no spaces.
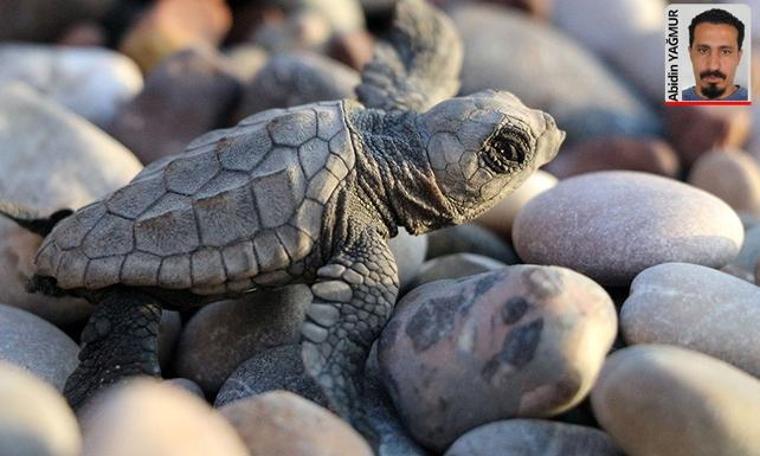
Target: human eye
{"x":726,"y":52}
{"x":702,"y":50}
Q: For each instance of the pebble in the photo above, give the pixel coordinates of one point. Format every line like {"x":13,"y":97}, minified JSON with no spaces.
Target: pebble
{"x":297,"y":78}
{"x":501,"y":217}
{"x":276,"y":368}
{"x":280,"y":422}
{"x":223,"y":335}
{"x":85,"y":33}
{"x":666,"y":400}
{"x":469,"y":238}
{"x":697,"y":308}
{"x":353,"y":48}
{"x":34,"y":419}
{"x":245,"y":60}
{"x":523,"y":341}
{"x":554,"y":74}
{"x":59,"y":161}
{"x":169,"y":26}
{"x":454,"y":266}
{"x":649,"y":155}
{"x":529,"y":437}
{"x":696,"y":130}
{"x":146,"y":417}
{"x":45,"y":20}
{"x":91,"y":82}
{"x":409,"y":252}
{"x":28,"y":341}
{"x":165,"y":116}
{"x":586,"y":223}
{"x":731,"y":175}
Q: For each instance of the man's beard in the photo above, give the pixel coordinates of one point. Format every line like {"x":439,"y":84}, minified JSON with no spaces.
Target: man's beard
{"x":713,"y":91}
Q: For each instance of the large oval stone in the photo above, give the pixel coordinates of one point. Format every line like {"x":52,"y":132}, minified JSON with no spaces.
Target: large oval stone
{"x":611,"y":225}
{"x":149,"y":418}
{"x":533,"y":438}
{"x":34,"y":417}
{"x":666,"y":400}
{"x":49,"y":159}
{"x":28,"y":341}
{"x":698,"y":308}
{"x":523,"y":341}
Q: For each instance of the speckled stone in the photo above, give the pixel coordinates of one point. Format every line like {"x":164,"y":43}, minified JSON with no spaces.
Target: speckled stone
{"x":280,"y":422}
{"x":60,"y":161}
{"x":34,"y":418}
{"x":523,"y":341}
{"x":698,"y":308}
{"x":731,"y":175}
{"x":454,"y":266}
{"x":277,"y":368}
{"x":169,"y":26}
{"x":587,"y":223}
{"x":297,"y":78}
{"x":526,"y":437}
{"x":666,"y":400}
{"x":470,"y":238}
{"x":696,"y":130}
{"x":409,"y":252}
{"x":28,"y":341}
{"x":223,"y":335}
{"x":165,"y":117}
{"x":91,"y":82}
{"x":649,"y":155}
{"x":501,"y":217}
{"x":554,"y":74}
{"x":149,"y":418}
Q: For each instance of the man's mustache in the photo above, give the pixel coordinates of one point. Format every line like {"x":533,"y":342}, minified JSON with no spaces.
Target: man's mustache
{"x":707,"y":74}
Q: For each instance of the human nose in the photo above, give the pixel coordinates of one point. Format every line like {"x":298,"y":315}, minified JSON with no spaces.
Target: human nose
{"x":713,"y":61}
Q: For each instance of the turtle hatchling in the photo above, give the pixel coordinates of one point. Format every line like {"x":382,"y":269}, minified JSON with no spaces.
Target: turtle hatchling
{"x":309,"y":194}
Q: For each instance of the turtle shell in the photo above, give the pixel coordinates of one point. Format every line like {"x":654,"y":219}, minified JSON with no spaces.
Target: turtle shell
{"x":237,"y":203}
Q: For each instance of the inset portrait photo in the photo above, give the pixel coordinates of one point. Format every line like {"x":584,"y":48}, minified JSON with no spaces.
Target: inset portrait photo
{"x":707,"y":54}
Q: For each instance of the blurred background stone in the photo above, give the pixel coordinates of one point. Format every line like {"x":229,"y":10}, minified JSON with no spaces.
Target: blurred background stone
{"x":45,"y":20}
{"x":650,"y":155}
{"x":170,"y":26}
{"x":91,"y":82}
{"x":469,"y":238}
{"x":554,"y":74}
{"x":50,"y":159}
{"x":695,"y":130}
{"x":297,"y":78}
{"x":188,"y":94}
{"x":731,"y":175}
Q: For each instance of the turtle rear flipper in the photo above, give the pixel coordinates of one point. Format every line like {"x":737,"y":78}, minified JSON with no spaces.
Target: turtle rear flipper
{"x":120,"y":340}
{"x":418,"y":63}
{"x":31,"y":220}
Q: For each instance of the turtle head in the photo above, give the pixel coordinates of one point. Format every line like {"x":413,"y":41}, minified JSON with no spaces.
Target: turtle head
{"x":483,"y":146}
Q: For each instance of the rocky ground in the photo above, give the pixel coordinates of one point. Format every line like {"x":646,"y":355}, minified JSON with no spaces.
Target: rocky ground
{"x":609,"y":306}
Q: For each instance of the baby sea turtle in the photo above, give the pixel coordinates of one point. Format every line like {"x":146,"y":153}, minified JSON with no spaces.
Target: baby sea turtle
{"x":307,"y":194}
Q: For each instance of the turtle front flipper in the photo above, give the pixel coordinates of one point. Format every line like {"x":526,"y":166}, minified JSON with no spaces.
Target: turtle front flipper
{"x":120,"y":340}
{"x":353,"y":299}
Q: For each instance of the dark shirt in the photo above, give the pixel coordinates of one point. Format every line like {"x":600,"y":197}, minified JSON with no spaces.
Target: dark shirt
{"x":690,"y":94}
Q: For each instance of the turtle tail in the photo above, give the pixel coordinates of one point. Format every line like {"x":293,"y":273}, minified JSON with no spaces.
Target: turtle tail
{"x":30,"y":219}
{"x":417,"y":64}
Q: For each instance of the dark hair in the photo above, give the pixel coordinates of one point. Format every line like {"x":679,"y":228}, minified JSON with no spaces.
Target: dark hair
{"x":717,"y":16}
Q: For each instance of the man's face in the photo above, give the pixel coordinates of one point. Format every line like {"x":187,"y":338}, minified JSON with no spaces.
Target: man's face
{"x":715,"y":55}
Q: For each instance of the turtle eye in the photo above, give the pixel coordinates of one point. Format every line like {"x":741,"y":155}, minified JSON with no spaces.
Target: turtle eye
{"x":505,"y":151}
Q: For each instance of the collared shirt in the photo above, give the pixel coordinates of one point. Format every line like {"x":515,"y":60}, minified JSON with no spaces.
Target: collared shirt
{"x":690,"y":94}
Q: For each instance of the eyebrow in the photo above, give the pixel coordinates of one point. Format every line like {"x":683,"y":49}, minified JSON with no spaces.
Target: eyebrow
{"x":702,"y":45}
